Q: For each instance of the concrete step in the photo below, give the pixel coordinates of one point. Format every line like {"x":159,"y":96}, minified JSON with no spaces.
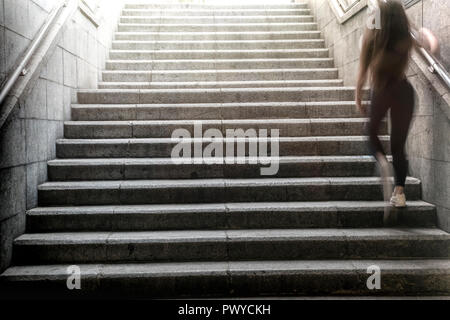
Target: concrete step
{"x":218,"y":54}
{"x":209,"y":19}
{"x":214,"y":13}
{"x":220,"y":75}
{"x":233,"y":279}
{"x":164,"y":147}
{"x":256,"y":35}
{"x":220,"y":45}
{"x":136,"y":168}
{"x":201,"y":6}
{"x":218,"y":64}
{"x":260,"y":110}
{"x":217,"y":27}
{"x":234,"y":245}
{"x":222,"y":216}
{"x":80,"y":193}
{"x":165,"y":128}
{"x":222,"y":84}
{"x":223,"y":95}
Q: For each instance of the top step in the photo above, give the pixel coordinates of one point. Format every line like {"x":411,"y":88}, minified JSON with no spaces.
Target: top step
{"x":165,"y":6}
{"x":214,"y":12}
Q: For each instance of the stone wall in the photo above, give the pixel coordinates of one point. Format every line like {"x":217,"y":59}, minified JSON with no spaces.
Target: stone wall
{"x":341,"y":39}
{"x":428,"y":145}
{"x":27,"y":140}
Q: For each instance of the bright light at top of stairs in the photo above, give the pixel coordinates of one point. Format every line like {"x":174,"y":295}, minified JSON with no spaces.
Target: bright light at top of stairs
{"x":219,"y":2}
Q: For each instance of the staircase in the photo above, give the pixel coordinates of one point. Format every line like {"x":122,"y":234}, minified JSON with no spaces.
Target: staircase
{"x":139,"y":225}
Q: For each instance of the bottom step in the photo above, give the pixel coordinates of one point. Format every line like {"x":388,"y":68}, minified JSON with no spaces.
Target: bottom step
{"x":228,"y":279}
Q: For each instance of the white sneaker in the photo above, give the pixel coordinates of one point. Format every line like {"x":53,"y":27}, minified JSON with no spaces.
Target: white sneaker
{"x":398,"y":201}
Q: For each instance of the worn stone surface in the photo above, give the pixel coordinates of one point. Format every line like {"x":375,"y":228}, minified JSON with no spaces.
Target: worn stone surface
{"x":234,"y":245}
{"x":214,"y":191}
{"x":174,"y":220}
{"x":246,"y":278}
{"x":223,"y":216}
{"x":10,"y":228}
{"x":13,"y":189}
{"x":27,"y":140}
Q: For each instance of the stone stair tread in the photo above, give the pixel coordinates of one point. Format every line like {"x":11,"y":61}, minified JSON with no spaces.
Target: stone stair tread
{"x":229,"y":53}
{"x":164,"y":6}
{"x":214,"y":32}
{"x":209,"y":16}
{"x":146,"y":61}
{"x":163,"y":147}
{"x":224,"y":278}
{"x":216,"y":35}
{"x":219,"y":51}
{"x":170,"y":140}
{"x":269,"y":41}
{"x":262,"y":7}
{"x":229,"y":207}
{"x":318,"y":82}
{"x":223,"y":105}
{"x":218,"y":71}
{"x":175,"y":269}
{"x":218,"y":121}
{"x":128,"y":112}
{"x":131,"y":91}
{"x":159,"y":11}
{"x":224,"y":216}
{"x":203,"y":27}
{"x":211,"y":183}
{"x":244,"y":167}
{"x":183,"y":25}
{"x":156,"y":161}
{"x":207,"y":19}
{"x":104,"y":96}
{"x":220,"y":84}
{"x":213,"y":190}
{"x":242,"y":45}
{"x":221,"y":245}
{"x":301,"y":127}
{"x":329,"y":234}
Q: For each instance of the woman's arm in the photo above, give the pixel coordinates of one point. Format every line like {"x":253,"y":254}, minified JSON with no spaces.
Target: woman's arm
{"x":426,"y":39}
{"x":364,"y":62}
{"x":362,"y":76}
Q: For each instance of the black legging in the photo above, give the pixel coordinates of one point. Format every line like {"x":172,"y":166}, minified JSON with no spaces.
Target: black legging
{"x":399,"y":97}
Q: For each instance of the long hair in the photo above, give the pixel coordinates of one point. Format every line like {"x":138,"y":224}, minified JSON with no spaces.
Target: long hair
{"x":386,"y":51}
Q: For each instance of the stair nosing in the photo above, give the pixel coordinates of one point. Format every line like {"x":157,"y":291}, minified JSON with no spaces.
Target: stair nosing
{"x":264,"y":235}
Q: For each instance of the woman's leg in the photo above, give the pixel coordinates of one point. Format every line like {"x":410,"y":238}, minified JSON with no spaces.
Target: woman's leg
{"x":378,"y":109}
{"x":379,"y":105}
{"x":401,"y":115}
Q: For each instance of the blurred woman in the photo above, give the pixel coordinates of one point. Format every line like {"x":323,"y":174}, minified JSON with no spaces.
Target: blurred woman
{"x":385,"y":55}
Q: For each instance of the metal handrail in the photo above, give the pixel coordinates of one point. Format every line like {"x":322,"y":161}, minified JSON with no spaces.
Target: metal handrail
{"x":21,"y":68}
{"x":434,"y":65}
